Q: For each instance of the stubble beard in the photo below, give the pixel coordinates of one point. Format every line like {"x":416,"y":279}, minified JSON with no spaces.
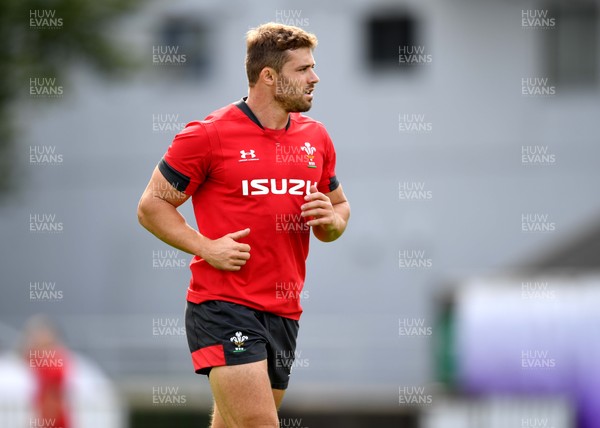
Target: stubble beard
{"x":291,"y":99}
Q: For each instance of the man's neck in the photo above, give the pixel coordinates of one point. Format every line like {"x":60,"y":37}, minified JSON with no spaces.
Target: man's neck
{"x":267,"y":111}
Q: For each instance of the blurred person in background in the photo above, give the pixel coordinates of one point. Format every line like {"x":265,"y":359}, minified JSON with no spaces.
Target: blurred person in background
{"x":261,"y":177}
{"x":48,"y":360}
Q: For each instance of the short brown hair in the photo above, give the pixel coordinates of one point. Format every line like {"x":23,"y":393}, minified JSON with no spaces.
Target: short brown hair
{"x":267,"y":46}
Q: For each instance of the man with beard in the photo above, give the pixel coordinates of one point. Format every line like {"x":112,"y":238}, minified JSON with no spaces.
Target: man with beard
{"x":261,"y":176}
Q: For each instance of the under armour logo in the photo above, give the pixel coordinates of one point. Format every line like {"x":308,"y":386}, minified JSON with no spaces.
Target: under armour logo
{"x":244,"y":154}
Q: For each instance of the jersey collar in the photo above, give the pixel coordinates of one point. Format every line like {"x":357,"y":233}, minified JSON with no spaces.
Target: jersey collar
{"x":241,"y":104}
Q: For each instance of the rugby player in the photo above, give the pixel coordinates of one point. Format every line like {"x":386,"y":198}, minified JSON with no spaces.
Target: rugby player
{"x":261,"y":176}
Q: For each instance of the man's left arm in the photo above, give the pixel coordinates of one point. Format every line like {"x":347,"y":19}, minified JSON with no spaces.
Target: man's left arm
{"x":328,"y":213}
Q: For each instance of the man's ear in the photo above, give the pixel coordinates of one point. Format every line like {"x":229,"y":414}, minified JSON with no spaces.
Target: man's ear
{"x":268,"y":76}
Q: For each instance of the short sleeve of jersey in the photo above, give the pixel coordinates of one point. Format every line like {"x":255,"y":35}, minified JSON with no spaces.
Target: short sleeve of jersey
{"x":328,"y":182}
{"x":187,"y":161}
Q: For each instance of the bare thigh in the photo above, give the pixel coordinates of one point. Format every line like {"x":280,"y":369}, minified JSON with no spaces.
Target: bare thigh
{"x":243,"y":396}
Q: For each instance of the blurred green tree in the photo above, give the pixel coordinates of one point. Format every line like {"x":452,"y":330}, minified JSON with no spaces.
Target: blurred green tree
{"x":43,"y":38}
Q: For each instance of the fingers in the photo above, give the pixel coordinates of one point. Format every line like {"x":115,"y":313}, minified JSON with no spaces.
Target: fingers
{"x":226,"y":253}
{"x":321,"y":221}
{"x":242,"y":256}
{"x":241,"y":252}
{"x":313,"y":194}
{"x":316,"y":199}
{"x":239,"y":234}
{"x":317,"y":207}
{"x":318,"y":210}
{"x":235,"y":261}
{"x":243,"y":248}
{"x":317,"y":213}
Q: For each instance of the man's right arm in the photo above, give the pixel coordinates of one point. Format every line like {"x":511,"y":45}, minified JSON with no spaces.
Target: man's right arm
{"x":157,"y":212}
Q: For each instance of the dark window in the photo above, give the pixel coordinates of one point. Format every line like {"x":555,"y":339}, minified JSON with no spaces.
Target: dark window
{"x":572,"y":44}
{"x":185,"y":41}
{"x":387,"y":36}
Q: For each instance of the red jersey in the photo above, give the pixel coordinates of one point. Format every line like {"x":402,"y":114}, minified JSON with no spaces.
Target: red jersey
{"x":240,"y":174}
{"x":50,"y":367}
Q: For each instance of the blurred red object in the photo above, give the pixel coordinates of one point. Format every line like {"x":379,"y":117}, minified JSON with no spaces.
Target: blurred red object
{"x":48,"y":360}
